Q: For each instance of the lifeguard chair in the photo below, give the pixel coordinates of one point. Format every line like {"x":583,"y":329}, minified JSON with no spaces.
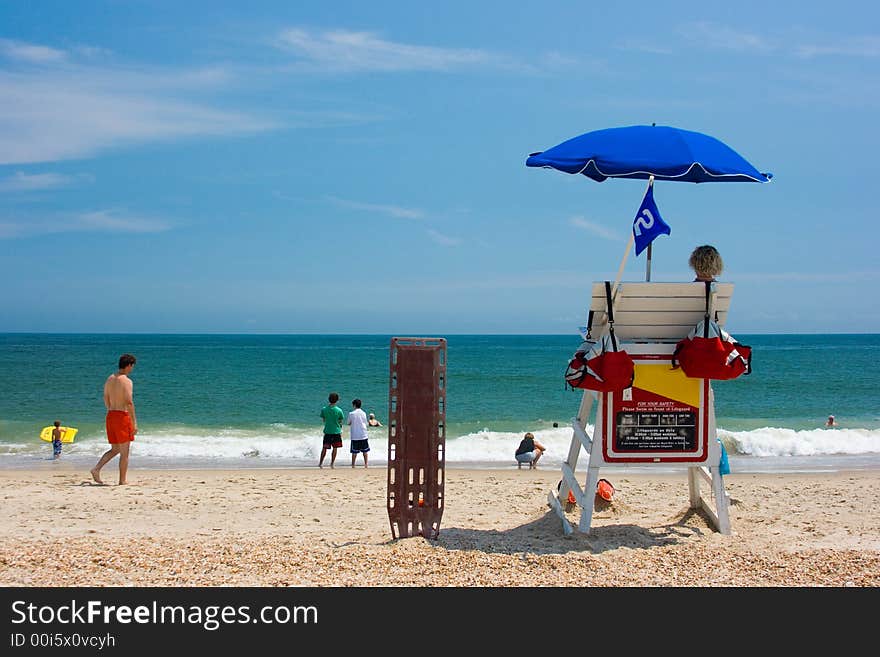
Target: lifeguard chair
{"x":665,"y":418}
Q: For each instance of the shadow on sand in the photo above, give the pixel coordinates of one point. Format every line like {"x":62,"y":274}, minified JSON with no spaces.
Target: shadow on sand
{"x":545,"y":536}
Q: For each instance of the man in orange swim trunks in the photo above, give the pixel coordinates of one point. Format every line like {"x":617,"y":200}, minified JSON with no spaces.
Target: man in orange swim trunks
{"x":121,"y":420}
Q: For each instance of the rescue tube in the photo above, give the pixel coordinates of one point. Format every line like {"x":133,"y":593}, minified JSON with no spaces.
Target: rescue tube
{"x":605,"y":490}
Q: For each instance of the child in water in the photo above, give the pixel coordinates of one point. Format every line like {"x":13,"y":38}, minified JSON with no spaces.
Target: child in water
{"x":56,"y":440}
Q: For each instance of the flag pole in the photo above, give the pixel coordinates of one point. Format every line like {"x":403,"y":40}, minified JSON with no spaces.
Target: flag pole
{"x":648,"y":260}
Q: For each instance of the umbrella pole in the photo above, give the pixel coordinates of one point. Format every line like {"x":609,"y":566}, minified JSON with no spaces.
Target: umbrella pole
{"x":629,"y":245}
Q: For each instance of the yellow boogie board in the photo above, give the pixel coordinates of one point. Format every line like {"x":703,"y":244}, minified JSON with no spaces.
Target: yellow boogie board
{"x":67,"y":434}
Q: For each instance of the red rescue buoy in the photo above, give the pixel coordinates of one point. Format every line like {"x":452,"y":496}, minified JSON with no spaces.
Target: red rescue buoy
{"x":605,"y":490}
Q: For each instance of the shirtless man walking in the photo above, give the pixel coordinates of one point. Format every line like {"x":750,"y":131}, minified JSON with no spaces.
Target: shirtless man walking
{"x":121,"y":421}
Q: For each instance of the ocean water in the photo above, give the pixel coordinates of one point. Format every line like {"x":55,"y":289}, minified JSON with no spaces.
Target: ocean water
{"x":243,"y":401}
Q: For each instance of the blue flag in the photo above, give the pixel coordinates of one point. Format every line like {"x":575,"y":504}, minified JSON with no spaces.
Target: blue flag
{"x":648,"y":223}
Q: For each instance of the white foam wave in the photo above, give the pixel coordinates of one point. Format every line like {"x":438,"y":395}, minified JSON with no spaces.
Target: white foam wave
{"x":279,"y":444}
{"x":773,"y":441}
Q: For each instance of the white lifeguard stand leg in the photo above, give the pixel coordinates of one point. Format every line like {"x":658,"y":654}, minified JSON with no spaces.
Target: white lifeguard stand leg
{"x":718,"y":508}
{"x":580,"y":439}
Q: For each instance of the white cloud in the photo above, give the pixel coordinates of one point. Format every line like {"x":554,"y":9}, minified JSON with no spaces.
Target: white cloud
{"x":792,"y":41}
{"x":30,"y":52}
{"x":395,"y":211}
{"x":345,"y":50}
{"x":726,"y":38}
{"x":852,"y":47}
{"x":441,"y":239}
{"x":24,"y":182}
{"x":596,"y":229}
{"x":641,"y":46}
{"x":101,"y":221}
{"x":114,"y":222}
{"x":91,"y":51}
{"x":63,"y":110}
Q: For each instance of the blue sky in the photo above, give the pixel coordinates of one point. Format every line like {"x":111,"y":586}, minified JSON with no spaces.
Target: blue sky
{"x":359,"y":167}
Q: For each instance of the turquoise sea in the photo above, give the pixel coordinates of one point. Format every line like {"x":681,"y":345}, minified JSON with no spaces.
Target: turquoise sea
{"x":253,"y":400}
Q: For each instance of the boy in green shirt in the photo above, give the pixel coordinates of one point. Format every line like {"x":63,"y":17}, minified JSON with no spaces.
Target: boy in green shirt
{"x":333,"y":417}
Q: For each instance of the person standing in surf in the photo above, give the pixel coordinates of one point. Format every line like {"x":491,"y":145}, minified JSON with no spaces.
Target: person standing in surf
{"x":357,"y":420}
{"x":333,"y":418}
{"x":56,"y":440}
{"x":121,"y":422}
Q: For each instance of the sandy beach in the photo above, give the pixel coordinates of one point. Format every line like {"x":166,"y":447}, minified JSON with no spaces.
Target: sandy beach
{"x":313,"y":527}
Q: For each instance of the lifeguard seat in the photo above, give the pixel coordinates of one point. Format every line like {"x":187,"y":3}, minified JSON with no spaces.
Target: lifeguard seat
{"x":416,"y":436}
{"x":649,"y":319}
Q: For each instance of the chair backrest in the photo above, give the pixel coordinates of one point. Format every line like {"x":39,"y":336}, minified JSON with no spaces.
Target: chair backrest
{"x":658,"y":312}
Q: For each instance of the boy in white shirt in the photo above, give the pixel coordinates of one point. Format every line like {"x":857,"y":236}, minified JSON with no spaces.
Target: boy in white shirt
{"x":357,"y":420}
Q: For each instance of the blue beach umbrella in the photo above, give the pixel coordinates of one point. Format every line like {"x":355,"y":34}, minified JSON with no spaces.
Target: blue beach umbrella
{"x":648,"y":152}
{"x":645,"y":151}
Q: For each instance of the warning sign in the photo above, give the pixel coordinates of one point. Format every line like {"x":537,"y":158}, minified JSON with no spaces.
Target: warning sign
{"x":652,"y":431}
{"x":661,"y":418}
